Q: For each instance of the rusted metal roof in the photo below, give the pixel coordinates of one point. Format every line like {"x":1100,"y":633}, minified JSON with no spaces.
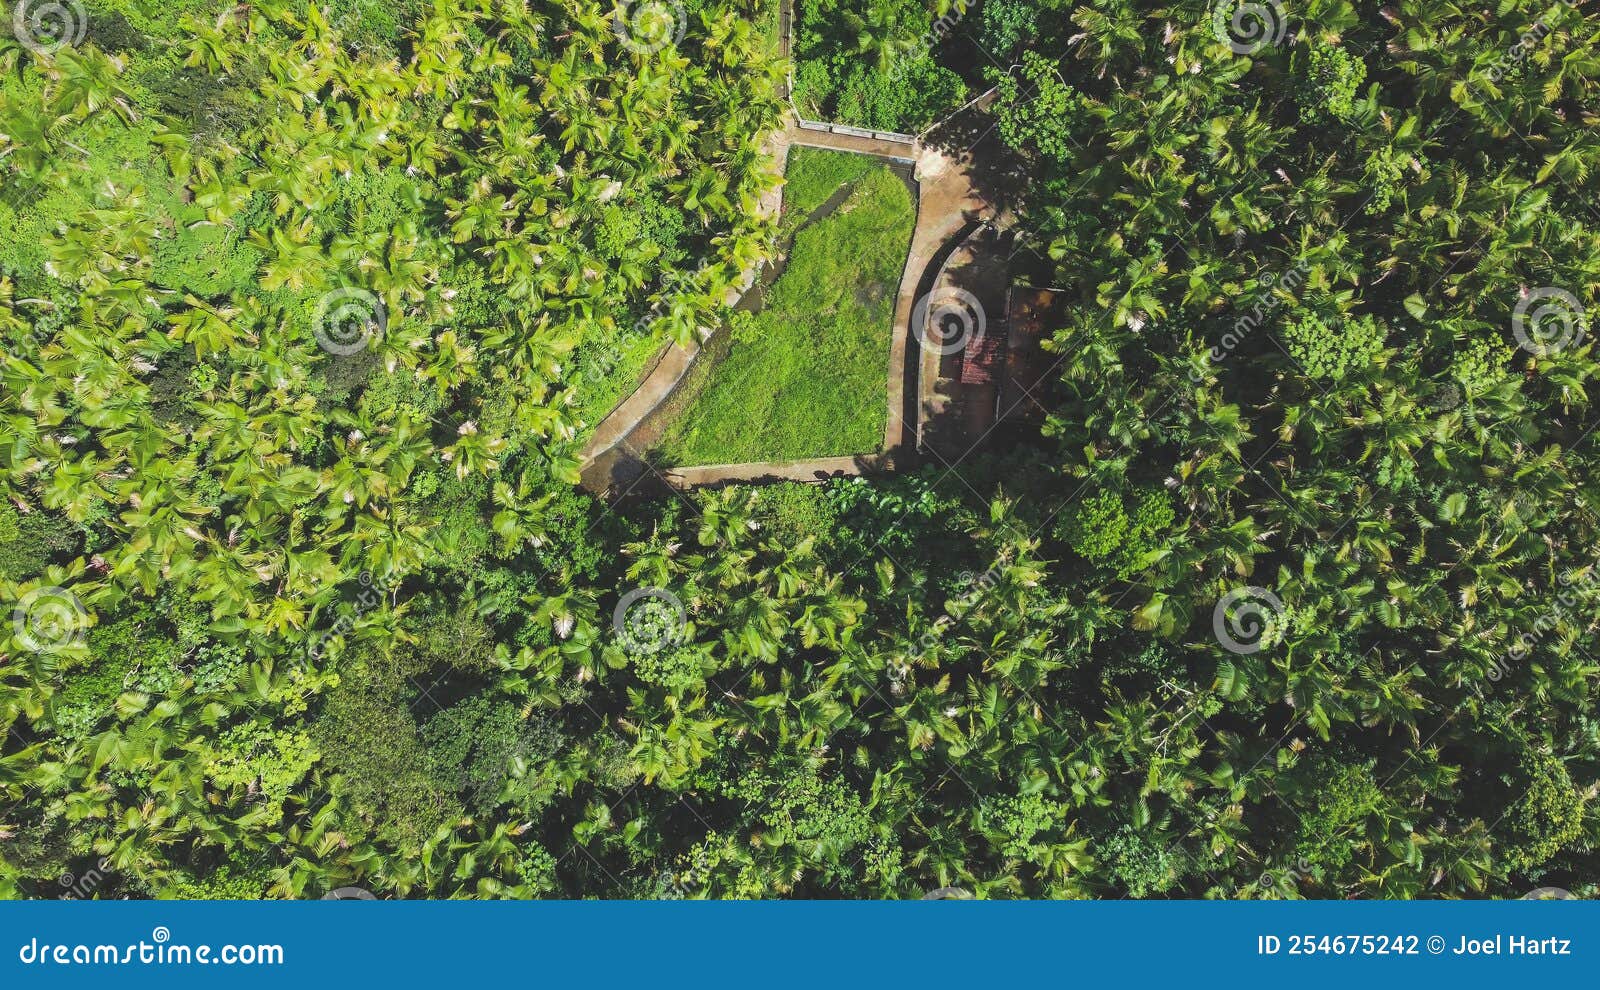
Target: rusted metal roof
{"x":982,"y":360}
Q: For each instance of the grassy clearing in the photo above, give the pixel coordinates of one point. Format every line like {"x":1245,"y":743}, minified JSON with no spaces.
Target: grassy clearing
{"x":806,"y":376}
{"x":813,"y":175}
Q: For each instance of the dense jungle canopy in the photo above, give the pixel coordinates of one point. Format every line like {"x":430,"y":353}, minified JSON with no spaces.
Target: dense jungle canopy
{"x":307,"y":309}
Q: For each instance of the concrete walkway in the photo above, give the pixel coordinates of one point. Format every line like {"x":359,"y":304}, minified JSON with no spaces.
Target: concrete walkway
{"x":669,"y":370}
{"x":813,"y":470}
{"x":876,"y":147}
{"x":950,"y":201}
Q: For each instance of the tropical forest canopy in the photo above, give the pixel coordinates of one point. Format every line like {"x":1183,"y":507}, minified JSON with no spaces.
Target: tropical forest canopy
{"x":307,"y":311}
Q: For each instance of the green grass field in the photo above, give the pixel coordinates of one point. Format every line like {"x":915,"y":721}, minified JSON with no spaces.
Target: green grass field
{"x":807,"y":377}
{"x":813,"y":176}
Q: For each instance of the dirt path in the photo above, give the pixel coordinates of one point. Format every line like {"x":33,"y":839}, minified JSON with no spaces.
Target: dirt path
{"x":948,"y":201}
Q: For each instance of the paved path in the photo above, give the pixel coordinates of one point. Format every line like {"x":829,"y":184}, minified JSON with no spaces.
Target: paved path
{"x":663,"y":378}
{"x":949,"y":201}
{"x":850,"y":142}
{"x":814,"y":469}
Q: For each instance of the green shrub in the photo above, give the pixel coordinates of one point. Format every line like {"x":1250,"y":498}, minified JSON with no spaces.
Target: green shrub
{"x":377,"y":25}
{"x":493,"y":753}
{"x":1014,"y":824}
{"x":1547,"y":817}
{"x":893,"y":514}
{"x":389,"y":395}
{"x":568,"y":542}
{"x":617,"y":233}
{"x":372,"y":746}
{"x":202,"y":379}
{"x":267,"y":762}
{"x":681,"y":670}
{"x":374,"y":201}
{"x":1329,"y":83}
{"x":1333,"y":352}
{"x":1332,"y":828}
{"x":1152,"y":664}
{"x":41,"y":538}
{"x":1143,"y":863}
{"x":462,"y":539}
{"x":213,"y":109}
{"x":1037,"y":111}
{"x":135,"y":652}
{"x":1006,"y":25}
{"x":1386,"y":174}
{"x":1480,"y":365}
{"x":821,"y":815}
{"x":813,"y":87}
{"x":243,"y":878}
{"x":869,"y":63}
{"x":452,"y":637}
{"x":88,"y":697}
{"x":794,"y":512}
{"x":916,"y":93}
{"x":664,"y":225}
{"x":1100,"y":529}
{"x":209,"y":260}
